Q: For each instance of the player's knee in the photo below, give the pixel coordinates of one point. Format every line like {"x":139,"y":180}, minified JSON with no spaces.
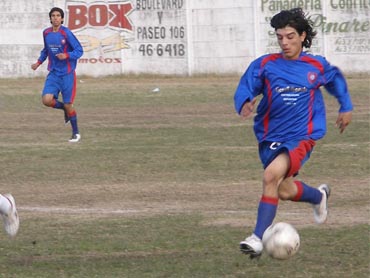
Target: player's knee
{"x":48,"y":102}
{"x":269,"y":178}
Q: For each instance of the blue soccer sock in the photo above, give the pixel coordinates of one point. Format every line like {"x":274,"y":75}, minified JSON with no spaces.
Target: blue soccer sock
{"x":57,"y":104}
{"x":266,"y":213}
{"x":307,"y":194}
{"x":73,"y":119}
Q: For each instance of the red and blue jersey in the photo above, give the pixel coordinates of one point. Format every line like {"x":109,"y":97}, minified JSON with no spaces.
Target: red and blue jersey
{"x":292,"y":106}
{"x":62,"y":41}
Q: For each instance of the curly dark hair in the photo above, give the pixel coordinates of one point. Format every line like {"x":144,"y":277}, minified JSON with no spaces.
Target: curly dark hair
{"x":296,"y":19}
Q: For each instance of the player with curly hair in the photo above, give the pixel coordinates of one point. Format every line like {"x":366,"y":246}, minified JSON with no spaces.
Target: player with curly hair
{"x":290,"y":118}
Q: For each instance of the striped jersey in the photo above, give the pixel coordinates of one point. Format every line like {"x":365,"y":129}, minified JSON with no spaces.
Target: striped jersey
{"x":292,"y":106}
{"x":62,"y":41}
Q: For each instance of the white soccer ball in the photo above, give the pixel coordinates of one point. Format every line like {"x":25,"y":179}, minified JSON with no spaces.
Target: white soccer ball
{"x":281,"y":241}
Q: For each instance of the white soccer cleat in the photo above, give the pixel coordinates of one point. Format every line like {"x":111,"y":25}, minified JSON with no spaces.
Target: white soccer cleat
{"x":320,"y":211}
{"x":75,"y":138}
{"x":252,"y":246}
{"x":11,"y":219}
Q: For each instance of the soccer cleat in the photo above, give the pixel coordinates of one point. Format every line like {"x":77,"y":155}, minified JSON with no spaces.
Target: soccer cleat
{"x":11,"y":219}
{"x":320,"y":211}
{"x":66,"y":118}
{"x":75,"y":138}
{"x":252,"y":246}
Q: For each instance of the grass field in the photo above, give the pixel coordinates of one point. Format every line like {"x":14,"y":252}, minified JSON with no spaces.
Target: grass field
{"x":166,"y":184}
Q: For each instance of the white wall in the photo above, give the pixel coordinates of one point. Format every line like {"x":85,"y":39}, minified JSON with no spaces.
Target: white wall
{"x":178,"y":36}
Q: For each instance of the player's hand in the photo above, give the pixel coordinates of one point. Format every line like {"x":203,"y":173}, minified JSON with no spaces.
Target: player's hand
{"x":61,"y":56}
{"x":35,"y":66}
{"x":247,"y":108}
{"x":343,"y":120}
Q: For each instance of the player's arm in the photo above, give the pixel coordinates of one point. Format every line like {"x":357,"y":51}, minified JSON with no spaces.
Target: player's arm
{"x":77,"y":51}
{"x":42,"y":58}
{"x":336,"y":85}
{"x":250,"y":85}
{"x":248,"y":108}
{"x":343,"y":120}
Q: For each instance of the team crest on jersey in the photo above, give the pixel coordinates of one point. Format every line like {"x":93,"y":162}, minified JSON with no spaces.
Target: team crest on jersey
{"x":312,"y":77}
{"x":63,"y":41}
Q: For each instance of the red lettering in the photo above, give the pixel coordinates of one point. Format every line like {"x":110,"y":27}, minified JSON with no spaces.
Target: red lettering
{"x":99,"y":15}
{"x":100,"y":60}
{"x":77,"y":16}
{"x":120,"y":19}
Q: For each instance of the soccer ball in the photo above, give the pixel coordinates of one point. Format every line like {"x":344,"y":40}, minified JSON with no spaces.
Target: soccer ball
{"x":281,"y":241}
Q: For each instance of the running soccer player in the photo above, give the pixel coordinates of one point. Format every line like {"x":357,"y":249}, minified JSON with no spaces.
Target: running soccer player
{"x":290,"y":118}
{"x":63,"y":50}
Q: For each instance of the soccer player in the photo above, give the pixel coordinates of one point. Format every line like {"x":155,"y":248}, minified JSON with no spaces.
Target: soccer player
{"x":63,"y":50}
{"x":9,"y":214}
{"x":290,"y":118}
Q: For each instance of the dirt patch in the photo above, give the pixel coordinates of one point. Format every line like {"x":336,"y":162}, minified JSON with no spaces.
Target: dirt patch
{"x":122,"y":122}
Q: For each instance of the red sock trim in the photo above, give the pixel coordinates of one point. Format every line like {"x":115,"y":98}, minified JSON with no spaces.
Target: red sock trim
{"x":270,"y":200}
{"x":299,"y":191}
{"x":53,"y":103}
{"x":72,"y":114}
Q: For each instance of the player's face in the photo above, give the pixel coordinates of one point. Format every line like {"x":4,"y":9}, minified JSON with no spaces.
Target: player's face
{"x":56,"y":19}
{"x":290,"y":42}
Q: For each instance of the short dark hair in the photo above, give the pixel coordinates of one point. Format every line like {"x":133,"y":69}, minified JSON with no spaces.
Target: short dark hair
{"x":56,"y":9}
{"x":296,"y":19}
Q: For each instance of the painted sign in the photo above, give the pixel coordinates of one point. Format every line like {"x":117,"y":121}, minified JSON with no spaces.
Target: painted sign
{"x":147,"y":29}
{"x":343,"y":28}
{"x":104,"y":29}
{"x":160,"y":40}
{"x":179,"y":36}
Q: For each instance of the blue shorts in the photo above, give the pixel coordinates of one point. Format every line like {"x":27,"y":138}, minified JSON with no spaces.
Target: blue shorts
{"x":66,"y":85}
{"x":299,"y":152}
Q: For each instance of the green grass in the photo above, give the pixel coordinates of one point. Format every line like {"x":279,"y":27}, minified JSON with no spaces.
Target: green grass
{"x":171,"y":246}
{"x":166,"y":184}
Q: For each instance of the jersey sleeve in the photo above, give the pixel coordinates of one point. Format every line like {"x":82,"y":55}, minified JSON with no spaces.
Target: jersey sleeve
{"x":250,"y":85}
{"x":43,"y":53}
{"x":336,"y":85}
{"x":77,"y":50}
{"x":43,"y":56}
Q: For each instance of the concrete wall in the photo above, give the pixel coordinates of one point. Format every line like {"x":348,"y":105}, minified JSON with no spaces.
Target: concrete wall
{"x":178,"y":36}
